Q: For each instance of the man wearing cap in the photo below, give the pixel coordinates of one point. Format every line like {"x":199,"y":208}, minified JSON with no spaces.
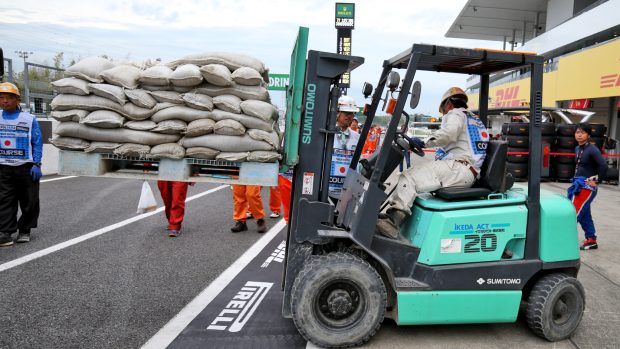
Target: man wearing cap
{"x":355,"y":124}
{"x":345,"y":142}
{"x":461,"y":148}
{"x":21,"y":148}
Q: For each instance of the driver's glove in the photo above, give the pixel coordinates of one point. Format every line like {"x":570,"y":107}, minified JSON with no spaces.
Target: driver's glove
{"x":418,"y":141}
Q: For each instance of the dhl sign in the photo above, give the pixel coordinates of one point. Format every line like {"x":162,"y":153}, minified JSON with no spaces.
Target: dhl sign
{"x":590,"y":73}
{"x":612,"y":80}
{"x":508,"y":97}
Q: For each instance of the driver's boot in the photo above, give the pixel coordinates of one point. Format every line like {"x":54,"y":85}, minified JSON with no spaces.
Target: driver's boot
{"x":390,"y":224}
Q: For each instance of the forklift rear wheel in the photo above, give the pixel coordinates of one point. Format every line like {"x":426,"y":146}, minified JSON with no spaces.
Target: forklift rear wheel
{"x":338,"y":300}
{"x":555,"y":306}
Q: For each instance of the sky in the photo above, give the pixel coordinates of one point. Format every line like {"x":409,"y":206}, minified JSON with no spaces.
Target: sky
{"x":138,"y":30}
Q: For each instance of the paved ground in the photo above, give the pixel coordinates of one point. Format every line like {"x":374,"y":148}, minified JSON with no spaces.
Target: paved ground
{"x":118,"y":289}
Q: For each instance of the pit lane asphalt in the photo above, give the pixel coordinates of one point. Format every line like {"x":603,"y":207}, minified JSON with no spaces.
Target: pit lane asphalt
{"x":118,"y":289}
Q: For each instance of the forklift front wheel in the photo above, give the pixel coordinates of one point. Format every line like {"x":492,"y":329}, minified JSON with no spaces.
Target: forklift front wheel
{"x":555,"y":306}
{"x":338,"y":300}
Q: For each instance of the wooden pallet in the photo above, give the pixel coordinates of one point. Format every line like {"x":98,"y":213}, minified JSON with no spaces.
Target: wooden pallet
{"x":77,"y":163}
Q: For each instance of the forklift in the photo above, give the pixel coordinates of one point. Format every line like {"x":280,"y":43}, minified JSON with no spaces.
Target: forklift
{"x":466,"y":255}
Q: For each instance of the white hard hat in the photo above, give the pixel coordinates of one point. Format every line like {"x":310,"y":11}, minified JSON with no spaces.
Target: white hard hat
{"x":452,"y":92}
{"x":347,"y":104}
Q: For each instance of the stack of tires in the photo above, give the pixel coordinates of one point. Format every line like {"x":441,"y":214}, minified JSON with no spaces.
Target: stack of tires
{"x":564,"y":165}
{"x":565,"y":143}
{"x":517,"y":136}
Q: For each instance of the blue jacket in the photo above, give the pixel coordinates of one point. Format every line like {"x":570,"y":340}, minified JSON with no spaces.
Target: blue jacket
{"x":36,"y":139}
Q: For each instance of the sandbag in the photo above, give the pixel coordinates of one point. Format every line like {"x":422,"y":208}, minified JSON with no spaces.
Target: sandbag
{"x":111,"y":92}
{"x":269,"y":137}
{"x":229,"y":103}
{"x":247,"y":76}
{"x":72,"y":86}
{"x":69,"y":143}
{"x":233,"y":61}
{"x":183,"y":89}
{"x":198,"y":101}
{"x":167,"y":96}
{"x":228,"y":156}
{"x":66,"y":102}
{"x":103,"y":119}
{"x":102,"y":147}
{"x":225,"y":143}
{"x":229,"y":128}
{"x":141,"y":98}
{"x":155,"y":87}
{"x":133,"y":112}
{"x":264,"y":156}
{"x":217,"y":74}
{"x":69,"y":115}
{"x":260,"y":109}
{"x":73,"y":129}
{"x":245,"y":120}
{"x":123,"y":75}
{"x":89,"y":69}
{"x":144,"y":125}
{"x":186,"y":75}
{"x":244,"y":92}
{"x":133,"y":150}
{"x":201,"y":153}
{"x":158,"y":75}
{"x":180,"y":113}
{"x":171,"y":127}
{"x":199,"y":127}
{"x":168,"y":150}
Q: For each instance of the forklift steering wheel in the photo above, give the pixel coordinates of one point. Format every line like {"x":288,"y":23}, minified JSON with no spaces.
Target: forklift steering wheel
{"x":415,"y":147}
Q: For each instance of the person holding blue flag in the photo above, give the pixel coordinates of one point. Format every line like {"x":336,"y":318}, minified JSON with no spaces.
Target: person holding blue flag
{"x":590,"y":166}
{"x":21,"y":149}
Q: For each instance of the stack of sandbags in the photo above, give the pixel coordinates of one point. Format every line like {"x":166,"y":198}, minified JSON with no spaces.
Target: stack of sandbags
{"x":210,"y":106}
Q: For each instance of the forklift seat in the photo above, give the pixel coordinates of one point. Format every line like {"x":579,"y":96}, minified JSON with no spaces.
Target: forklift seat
{"x":493,"y":177}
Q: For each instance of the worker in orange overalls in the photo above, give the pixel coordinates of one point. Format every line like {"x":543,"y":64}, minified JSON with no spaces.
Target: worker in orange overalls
{"x":174,"y":194}
{"x":275,"y":202}
{"x":372,"y":141}
{"x":244,"y":197}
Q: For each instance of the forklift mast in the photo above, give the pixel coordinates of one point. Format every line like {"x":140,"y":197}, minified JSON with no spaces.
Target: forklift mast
{"x":316,"y":131}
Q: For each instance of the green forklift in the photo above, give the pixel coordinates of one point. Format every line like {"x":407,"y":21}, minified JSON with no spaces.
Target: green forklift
{"x":466,"y":255}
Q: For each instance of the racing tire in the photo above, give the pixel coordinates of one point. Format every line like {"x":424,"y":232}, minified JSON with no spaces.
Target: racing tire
{"x":550,"y":140}
{"x":564,"y":159}
{"x":565,"y":130}
{"x":598,"y":130}
{"x":517,"y":170}
{"x":598,"y":142}
{"x":612,"y":176}
{"x":514,"y":158}
{"x":518,"y":129}
{"x":504,"y":128}
{"x":547,"y":129}
{"x":566,"y":142}
{"x":564,"y":171}
{"x":555,"y":306}
{"x":518,"y":141}
{"x":338,"y":300}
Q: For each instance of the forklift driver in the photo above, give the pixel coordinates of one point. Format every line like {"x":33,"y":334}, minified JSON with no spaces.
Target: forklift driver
{"x":345,"y":142}
{"x":461,"y":148}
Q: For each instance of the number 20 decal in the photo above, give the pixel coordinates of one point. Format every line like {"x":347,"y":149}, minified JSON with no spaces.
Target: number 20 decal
{"x":480,"y":243}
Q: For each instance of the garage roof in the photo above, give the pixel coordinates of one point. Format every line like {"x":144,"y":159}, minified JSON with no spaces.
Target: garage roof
{"x":497,"y":20}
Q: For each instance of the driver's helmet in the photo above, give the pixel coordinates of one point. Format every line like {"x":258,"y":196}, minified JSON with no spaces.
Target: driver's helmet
{"x":452,"y":92}
{"x":347,"y":104}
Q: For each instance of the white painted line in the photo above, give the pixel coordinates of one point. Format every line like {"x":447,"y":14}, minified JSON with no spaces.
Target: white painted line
{"x":56,"y":179}
{"x":311,"y":345}
{"x":25,"y":259}
{"x":171,"y":330}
